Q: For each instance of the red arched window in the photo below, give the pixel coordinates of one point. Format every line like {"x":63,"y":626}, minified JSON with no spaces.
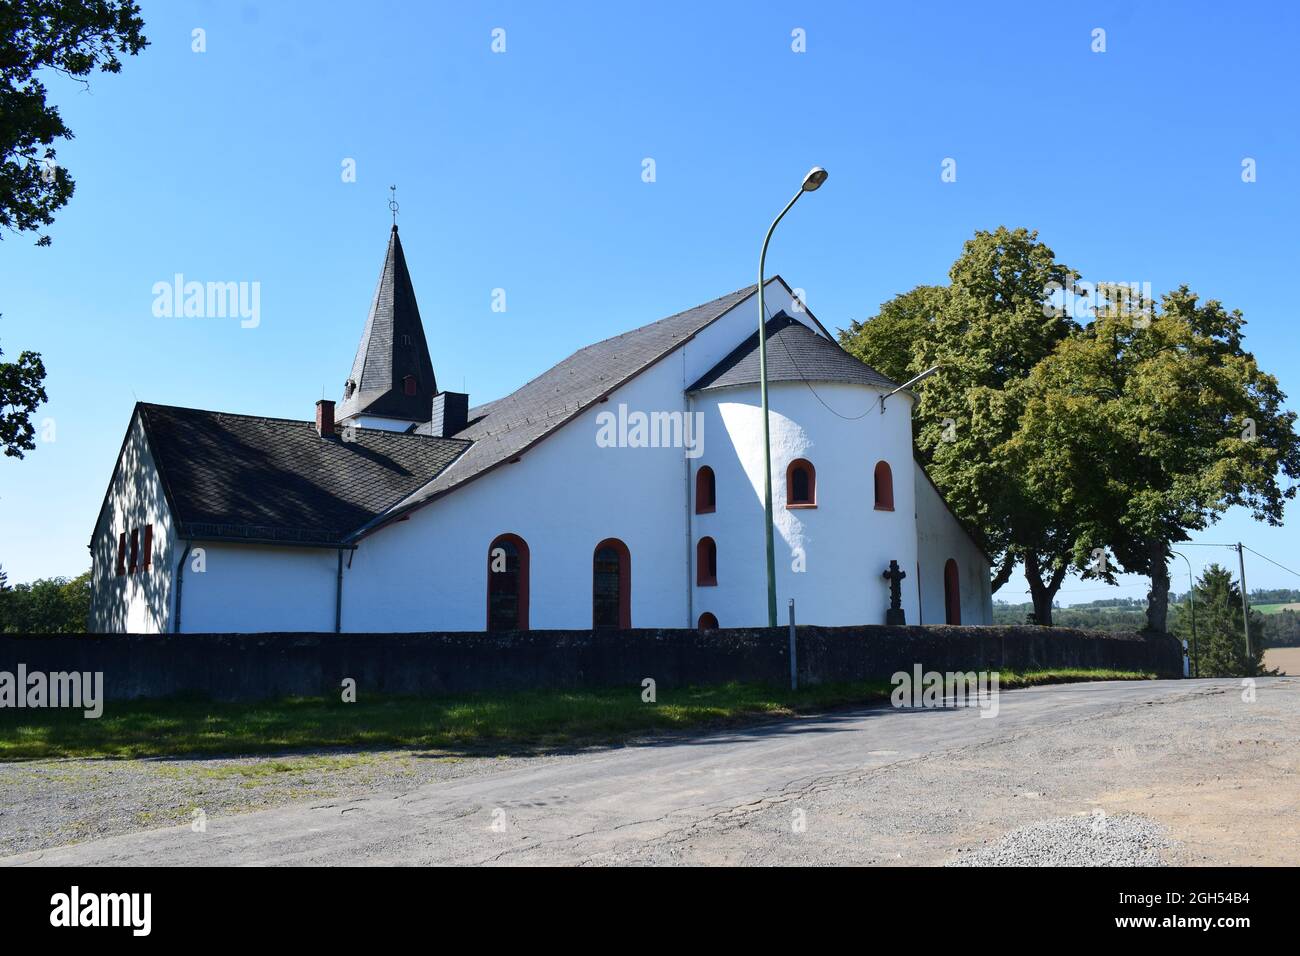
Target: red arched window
{"x":409,"y":385}
{"x":951,"y":593}
{"x":611,"y":585}
{"x":884,"y":487}
{"x":507,"y":590}
{"x":707,"y":622}
{"x":706,"y":491}
{"x":706,"y":563}
{"x":800,"y":484}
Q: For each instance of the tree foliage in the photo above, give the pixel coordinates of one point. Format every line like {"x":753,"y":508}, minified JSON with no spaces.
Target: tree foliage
{"x":986,"y":331}
{"x":889,"y":340}
{"x":1279,"y":630}
{"x":73,"y":38}
{"x":1220,"y":639}
{"x":1082,"y":448}
{"x":46,"y":606}
{"x":70,"y":37}
{"x":22,"y":388}
{"x":1149,"y":425}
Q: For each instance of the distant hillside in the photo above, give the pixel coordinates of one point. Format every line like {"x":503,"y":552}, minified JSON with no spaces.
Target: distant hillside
{"x":1275,"y":615}
{"x":1108,"y":614}
{"x":1276,"y":596}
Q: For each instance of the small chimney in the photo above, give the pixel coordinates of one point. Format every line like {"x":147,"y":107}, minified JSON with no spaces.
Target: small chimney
{"x":450,"y":413}
{"x":325,"y":418}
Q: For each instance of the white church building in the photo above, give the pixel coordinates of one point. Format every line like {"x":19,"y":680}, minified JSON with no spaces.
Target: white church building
{"x":621,"y":488}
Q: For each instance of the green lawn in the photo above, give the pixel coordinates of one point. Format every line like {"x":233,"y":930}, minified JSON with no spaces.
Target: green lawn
{"x":503,"y":722}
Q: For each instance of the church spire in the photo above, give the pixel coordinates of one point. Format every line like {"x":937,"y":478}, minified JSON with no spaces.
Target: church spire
{"x":392,"y":374}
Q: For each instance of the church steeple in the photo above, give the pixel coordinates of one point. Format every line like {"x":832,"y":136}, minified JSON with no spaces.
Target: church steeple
{"x":392,"y":374}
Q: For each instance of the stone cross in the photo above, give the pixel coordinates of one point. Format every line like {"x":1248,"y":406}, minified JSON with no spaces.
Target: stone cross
{"x":895,"y":614}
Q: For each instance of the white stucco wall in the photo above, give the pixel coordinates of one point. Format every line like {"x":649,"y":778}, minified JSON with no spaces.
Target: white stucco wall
{"x":139,"y":602}
{"x":244,"y":588}
{"x":846,"y":544}
{"x":563,"y":497}
{"x":429,"y":570}
{"x":940,"y":537}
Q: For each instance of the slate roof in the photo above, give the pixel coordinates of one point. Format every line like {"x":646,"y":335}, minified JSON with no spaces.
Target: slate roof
{"x":392,"y":346}
{"x":275,"y":480}
{"x":795,"y":353}
{"x":503,"y":429}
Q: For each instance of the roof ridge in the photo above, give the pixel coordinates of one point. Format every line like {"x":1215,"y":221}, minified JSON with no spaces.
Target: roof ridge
{"x":225,"y":473}
{"x":739,"y":366}
{"x":748,"y":290}
{"x":290,"y":421}
{"x":553,"y":418}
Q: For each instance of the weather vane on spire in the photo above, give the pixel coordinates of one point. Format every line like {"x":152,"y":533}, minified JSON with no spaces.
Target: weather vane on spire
{"x":392,"y":203}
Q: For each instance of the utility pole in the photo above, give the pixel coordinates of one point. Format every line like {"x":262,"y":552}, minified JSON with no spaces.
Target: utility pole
{"x":1245,"y":601}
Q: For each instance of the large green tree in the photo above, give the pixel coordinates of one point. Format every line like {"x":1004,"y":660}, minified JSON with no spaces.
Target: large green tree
{"x":986,"y":330}
{"x":1151,"y":423}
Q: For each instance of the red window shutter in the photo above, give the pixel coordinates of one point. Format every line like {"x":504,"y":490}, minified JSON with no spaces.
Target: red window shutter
{"x":135,"y":550}
{"x":147,"y":546}
{"x":121,"y":553}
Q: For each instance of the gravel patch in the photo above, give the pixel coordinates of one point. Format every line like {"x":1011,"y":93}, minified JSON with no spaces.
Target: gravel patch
{"x":50,"y":803}
{"x":1097,"y":840}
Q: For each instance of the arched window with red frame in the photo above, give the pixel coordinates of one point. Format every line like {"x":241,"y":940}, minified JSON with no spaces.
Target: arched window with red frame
{"x":507,"y":590}
{"x":706,"y":491}
{"x":707,"y":622}
{"x":884,"y":487}
{"x":706,"y":563}
{"x":611,"y":585}
{"x":801,"y":484}
{"x":951,"y":593}
{"x":410,"y":385}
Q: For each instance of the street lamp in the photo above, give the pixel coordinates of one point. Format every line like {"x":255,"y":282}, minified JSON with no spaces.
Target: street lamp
{"x":908,"y":384}
{"x":816,"y":176}
{"x":1191,"y":597}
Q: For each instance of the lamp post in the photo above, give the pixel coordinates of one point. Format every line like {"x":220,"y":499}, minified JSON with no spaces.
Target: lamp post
{"x":1191,"y":597}
{"x":816,"y":176}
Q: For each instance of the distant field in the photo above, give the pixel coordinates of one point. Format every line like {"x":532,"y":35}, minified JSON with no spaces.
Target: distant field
{"x":1275,"y":608}
{"x":1285,"y":659}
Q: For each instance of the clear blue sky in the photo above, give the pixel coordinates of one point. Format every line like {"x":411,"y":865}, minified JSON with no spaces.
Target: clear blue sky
{"x":522,"y":171}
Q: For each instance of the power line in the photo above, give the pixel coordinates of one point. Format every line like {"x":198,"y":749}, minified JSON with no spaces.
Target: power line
{"x":1271,"y":561}
{"x":804,"y":378}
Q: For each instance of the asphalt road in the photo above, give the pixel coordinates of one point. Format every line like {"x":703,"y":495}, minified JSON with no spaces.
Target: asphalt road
{"x":872,"y":786}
